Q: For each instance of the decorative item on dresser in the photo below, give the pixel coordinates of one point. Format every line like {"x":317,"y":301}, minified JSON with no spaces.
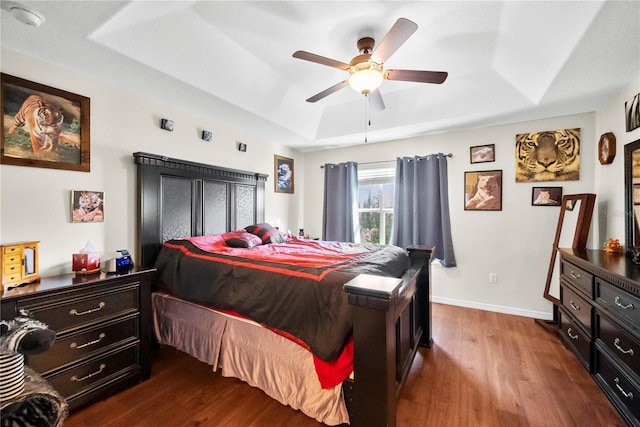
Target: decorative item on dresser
{"x":19,"y":263}
{"x":103,"y":327}
{"x":600,"y":322}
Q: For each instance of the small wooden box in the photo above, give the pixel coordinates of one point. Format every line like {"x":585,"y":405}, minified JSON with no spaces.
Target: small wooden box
{"x":19,"y":263}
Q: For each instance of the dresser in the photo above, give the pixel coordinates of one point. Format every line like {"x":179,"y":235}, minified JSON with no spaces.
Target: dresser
{"x":599,"y":321}
{"x":103,"y":331}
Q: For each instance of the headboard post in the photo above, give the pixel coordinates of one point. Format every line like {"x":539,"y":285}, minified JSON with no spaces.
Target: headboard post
{"x":179,"y":198}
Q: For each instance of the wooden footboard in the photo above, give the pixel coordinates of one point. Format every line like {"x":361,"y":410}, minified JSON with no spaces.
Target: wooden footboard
{"x":391,"y":319}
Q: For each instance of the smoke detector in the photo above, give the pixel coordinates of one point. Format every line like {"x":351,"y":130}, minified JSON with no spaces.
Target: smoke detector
{"x":24,"y":14}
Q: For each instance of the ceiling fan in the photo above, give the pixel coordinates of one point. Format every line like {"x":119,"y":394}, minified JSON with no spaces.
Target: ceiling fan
{"x":366,"y":70}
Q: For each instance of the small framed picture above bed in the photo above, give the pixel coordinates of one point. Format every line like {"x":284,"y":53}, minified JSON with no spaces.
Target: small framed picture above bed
{"x":483,"y":153}
{"x":283,"y":171}
{"x":546,"y":196}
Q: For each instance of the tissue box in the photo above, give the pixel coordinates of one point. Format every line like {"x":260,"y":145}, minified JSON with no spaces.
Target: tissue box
{"x":86,"y":262}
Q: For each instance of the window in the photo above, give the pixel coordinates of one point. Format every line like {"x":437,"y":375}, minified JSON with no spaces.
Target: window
{"x":375,"y":202}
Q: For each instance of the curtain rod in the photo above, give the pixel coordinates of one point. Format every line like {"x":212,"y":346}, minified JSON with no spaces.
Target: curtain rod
{"x":383,"y":161}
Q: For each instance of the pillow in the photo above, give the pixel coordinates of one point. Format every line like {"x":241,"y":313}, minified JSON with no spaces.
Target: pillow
{"x":266,"y":232}
{"x":243,"y":240}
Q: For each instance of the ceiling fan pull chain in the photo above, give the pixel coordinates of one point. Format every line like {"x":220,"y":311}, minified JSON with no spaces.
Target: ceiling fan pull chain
{"x":366,"y":117}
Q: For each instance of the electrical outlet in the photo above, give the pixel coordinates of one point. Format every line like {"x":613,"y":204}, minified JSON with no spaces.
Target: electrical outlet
{"x":493,"y":278}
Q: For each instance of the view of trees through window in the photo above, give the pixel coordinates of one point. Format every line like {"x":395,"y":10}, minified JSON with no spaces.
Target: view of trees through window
{"x":375,"y":211}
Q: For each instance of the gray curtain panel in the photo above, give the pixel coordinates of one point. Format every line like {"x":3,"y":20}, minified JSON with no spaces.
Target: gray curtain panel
{"x":421,"y":206}
{"x":340,"y":215}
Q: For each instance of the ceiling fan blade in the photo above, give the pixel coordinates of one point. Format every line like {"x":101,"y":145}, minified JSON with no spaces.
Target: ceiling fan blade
{"x":436,"y":77}
{"x":301,"y":54}
{"x":375,"y":100}
{"x":397,"y":35}
{"x":328,"y":91}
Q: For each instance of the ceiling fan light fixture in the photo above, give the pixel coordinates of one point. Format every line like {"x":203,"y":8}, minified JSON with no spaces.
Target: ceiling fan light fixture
{"x":366,"y":76}
{"x":366,"y":81}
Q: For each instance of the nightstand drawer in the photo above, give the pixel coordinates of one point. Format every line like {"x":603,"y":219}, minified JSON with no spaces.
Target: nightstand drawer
{"x":618,"y":302}
{"x":95,"y":372}
{"x":577,"y":306}
{"x":82,"y":311}
{"x":71,"y":348}
{"x":578,"y":277}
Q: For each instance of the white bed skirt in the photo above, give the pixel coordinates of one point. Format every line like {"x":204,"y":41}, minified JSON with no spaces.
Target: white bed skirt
{"x":245,"y":350}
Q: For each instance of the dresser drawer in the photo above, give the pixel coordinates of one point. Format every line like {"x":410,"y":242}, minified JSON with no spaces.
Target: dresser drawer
{"x":11,"y":250}
{"x":575,"y":338}
{"x":577,"y":306}
{"x":67,"y":315}
{"x":619,"y":387}
{"x":578,"y":277}
{"x":618,"y":302}
{"x":87,"y":343}
{"x":12,"y":259}
{"x":94,"y":372}
{"x":619,"y":342}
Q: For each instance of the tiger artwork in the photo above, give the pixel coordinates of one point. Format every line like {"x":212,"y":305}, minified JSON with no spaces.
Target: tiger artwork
{"x":548,"y":156}
{"x":44,"y":120}
{"x":488,"y":196}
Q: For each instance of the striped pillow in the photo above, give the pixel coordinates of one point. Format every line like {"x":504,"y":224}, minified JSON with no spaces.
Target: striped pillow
{"x":243,"y":240}
{"x":266,"y":232}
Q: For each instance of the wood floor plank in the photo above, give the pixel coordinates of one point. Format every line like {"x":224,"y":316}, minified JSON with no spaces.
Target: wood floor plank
{"x":484,"y":369}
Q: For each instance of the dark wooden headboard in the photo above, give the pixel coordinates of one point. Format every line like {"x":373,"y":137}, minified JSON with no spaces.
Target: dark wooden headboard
{"x":178,"y":198}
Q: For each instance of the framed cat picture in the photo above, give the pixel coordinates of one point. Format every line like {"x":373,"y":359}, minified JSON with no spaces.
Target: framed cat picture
{"x":546,"y":196}
{"x":483,"y":191}
{"x":87,"y":206}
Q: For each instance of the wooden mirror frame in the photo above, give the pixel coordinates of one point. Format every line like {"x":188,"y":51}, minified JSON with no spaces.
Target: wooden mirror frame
{"x":632,"y":245}
{"x":580,"y":235}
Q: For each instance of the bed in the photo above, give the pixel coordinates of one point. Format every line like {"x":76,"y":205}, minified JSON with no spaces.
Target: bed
{"x":350,"y":368}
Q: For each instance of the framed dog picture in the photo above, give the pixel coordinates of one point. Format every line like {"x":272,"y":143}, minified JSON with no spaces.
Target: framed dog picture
{"x":43,"y":126}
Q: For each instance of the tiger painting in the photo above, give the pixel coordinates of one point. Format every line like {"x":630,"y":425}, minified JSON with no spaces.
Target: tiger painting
{"x":44,"y":120}
{"x":548,"y":156}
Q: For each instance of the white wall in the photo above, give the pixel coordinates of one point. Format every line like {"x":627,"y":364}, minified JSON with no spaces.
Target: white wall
{"x":516,"y":242}
{"x":35,"y":202}
{"x":609,"y":179}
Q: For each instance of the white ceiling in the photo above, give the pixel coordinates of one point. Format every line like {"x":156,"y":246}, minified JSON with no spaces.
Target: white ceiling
{"x":508,"y":61}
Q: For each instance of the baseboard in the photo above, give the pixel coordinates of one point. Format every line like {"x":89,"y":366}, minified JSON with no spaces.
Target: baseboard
{"x":496,"y":308}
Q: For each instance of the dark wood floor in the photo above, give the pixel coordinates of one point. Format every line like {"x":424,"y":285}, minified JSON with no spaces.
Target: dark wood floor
{"x":484,"y":370}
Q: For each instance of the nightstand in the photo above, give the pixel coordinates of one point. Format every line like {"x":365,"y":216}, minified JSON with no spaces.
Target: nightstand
{"x":103,"y":326}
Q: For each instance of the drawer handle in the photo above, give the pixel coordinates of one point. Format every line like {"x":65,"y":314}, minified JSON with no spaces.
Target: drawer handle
{"x":575,"y":275}
{"x":624,"y":307}
{"x":569,"y":332}
{"x":616,"y":343}
{"x":86,"y":377}
{"x":575,"y":307}
{"x":75,"y":312}
{"x":627,"y":394}
{"x":100,"y":338}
